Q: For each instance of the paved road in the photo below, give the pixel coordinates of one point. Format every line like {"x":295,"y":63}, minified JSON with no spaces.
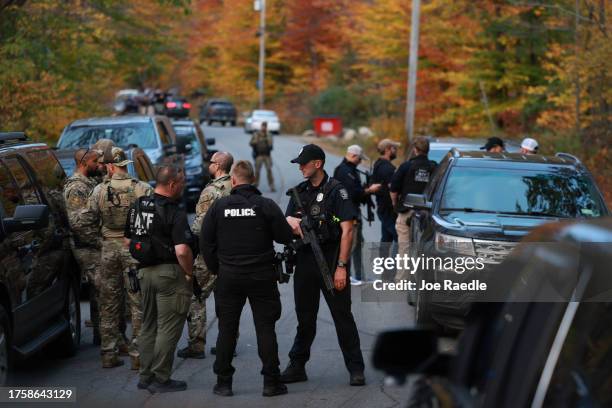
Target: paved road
{"x":328,"y":384}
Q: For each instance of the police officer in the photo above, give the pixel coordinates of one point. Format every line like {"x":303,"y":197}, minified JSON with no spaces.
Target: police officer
{"x":347,"y":174}
{"x":161,"y":241}
{"x":494,"y":145}
{"x":85,"y":243}
{"x":237,"y":243}
{"x":261,"y":142}
{"x":220,"y":186}
{"x":108,"y":207}
{"x":411,"y":177}
{"x":328,"y":202}
{"x":382,"y":172}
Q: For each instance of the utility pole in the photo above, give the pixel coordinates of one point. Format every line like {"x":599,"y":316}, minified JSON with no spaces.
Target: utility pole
{"x":412,"y":69}
{"x":260,"y":5}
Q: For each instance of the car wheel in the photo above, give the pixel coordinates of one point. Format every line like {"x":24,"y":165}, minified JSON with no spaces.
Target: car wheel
{"x":210,"y":122}
{"x":233,"y":123}
{"x":4,"y":347}
{"x":67,"y":344}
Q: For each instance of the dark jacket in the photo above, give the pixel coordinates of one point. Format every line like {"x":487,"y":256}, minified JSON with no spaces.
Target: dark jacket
{"x":347,"y":174}
{"x":382,"y":173}
{"x":238,"y":234}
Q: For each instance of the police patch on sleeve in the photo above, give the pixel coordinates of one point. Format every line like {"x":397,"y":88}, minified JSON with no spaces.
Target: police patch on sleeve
{"x":344,"y":193}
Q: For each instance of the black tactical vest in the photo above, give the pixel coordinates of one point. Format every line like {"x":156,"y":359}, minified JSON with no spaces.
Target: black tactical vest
{"x":419,"y":173}
{"x":318,"y":208}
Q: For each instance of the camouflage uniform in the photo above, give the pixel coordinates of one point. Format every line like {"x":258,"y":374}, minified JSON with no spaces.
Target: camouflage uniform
{"x":196,"y":320}
{"x":262,"y":146}
{"x":85,"y":243}
{"x":110,"y":210}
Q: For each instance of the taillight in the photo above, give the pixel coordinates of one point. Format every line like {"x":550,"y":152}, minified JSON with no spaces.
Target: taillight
{"x":171,"y":105}
{"x":186,"y":105}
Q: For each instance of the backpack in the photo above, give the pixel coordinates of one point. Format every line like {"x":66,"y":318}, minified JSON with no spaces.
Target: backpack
{"x":144,"y":246}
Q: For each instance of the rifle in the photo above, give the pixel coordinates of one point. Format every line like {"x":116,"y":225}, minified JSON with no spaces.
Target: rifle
{"x":369,"y":202}
{"x":310,"y":237}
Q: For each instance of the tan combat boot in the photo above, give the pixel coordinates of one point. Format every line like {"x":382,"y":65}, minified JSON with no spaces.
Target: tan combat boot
{"x":135,"y":361}
{"x":111,"y":360}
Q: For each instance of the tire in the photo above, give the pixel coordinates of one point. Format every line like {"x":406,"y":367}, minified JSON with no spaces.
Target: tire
{"x":5,"y":362}
{"x":223,"y":123}
{"x":210,"y":122}
{"x":68,"y":343}
{"x":422,"y":308}
{"x":233,"y":123}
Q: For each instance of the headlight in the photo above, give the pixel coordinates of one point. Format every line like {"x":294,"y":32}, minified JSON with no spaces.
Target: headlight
{"x":457,"y":245}
{"x":193,"y":171}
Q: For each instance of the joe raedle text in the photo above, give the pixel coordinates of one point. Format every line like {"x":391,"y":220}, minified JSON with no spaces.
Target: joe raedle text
{"x":447,"y":284}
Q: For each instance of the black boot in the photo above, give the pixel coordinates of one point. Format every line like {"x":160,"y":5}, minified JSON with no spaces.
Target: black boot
{"x":357,"y":379}
{"x":223,"y":386}
{"x":168,"y":386}
{"x":273,"y":387}
{"x":295,"y":372}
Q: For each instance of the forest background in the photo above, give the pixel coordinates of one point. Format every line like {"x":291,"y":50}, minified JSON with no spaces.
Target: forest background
{"x":486,"y":67}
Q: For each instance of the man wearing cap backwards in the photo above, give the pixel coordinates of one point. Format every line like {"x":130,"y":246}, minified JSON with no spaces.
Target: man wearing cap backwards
{"x":107,"y":208}
{"x":494,"y":145}
{"x":85,"y":240}
{"x":328,"y":204}
{"x":529,"y":146}
{"x":347,"y":174}
{"x":382,"y":173}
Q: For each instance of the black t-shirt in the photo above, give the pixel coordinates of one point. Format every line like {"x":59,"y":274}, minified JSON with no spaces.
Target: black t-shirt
{"x":382,"y":173}
{"x":171,"y":228}
{"x":348,"y":175}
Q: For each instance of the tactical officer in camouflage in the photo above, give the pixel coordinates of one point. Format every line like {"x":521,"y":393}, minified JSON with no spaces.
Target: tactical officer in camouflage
{"x":108,"y":207}
{"x":220,"y":186}
{"x":261,"y":142}
{"x":85,"y":243}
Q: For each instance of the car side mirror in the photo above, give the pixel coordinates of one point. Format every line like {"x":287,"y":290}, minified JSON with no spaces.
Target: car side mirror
{"x":27,"y":218}
{"x":416,"y":201}
{"x":210,"y":141}
{"x":409,"y":351}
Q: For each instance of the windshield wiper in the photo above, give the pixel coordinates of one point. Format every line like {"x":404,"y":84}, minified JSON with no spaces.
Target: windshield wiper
{"x":533,"y":213}
{"x":468,"y":209}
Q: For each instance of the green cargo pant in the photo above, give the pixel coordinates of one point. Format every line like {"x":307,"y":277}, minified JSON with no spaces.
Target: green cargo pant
{"x":165,"y":302}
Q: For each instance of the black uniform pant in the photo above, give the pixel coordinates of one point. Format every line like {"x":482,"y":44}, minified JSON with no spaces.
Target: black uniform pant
{"x":231,"y":294}
{"x":307,"y":286}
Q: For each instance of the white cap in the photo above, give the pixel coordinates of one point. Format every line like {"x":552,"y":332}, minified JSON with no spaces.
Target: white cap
{"x":357,"y":150}
{"x":529,"y":144}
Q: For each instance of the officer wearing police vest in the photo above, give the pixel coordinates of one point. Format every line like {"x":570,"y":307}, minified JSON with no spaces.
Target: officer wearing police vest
{"x":328,"y":204}
{"x":161,"y":241}
{"x":108,"y":208}
{"x":411,"y":177}
{"x":237,"y":243}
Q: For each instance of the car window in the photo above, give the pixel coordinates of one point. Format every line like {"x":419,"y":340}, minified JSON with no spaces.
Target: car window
{"x":163,"y":133}
{"x":124,"y":134}
{"x":24,"y":182}
{"x":47,"y":168}
{"x":437,"y":176}
{"x":582,"y":376}
{"x":9,"y":194}
{"x":558,"y":193}
{"x":189,"y":133}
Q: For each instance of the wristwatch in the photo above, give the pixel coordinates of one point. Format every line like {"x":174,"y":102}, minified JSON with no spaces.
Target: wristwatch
{"x":341,"y":264}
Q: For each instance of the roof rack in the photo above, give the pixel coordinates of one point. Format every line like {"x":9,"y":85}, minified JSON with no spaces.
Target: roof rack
{"x":568,"y":156}
{"x":7,"y":136}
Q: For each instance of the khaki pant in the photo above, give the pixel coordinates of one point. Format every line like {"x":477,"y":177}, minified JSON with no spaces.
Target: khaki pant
{"x":403,"y":240}
{"x":113,"y":284}
{"x":166,"y":296}
{"x":267,"y":161}
{"x":196,"y":319}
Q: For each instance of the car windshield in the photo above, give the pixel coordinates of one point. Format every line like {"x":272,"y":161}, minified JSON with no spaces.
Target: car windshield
{"x":264,"y":114}
{"x":437,"y":154}
{"x":123,"y":134}
{"x":189,"y":133}
{"x":222,"y":104}
{"x":558,"y":192}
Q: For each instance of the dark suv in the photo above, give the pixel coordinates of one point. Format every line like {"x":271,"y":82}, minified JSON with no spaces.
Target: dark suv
{"x":192,"y":139}
{"x":218,"y":110}
{"x":481,"y":204}
{"x":531,"y":351}
{"x":39,"y":279}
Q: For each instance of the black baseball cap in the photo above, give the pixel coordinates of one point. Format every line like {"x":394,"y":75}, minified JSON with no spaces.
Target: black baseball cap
{"x":308,"y":153}
{"x":492,"y":142}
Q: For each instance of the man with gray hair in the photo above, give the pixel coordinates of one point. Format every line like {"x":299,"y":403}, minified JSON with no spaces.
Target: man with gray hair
{"x":220,"y":186}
